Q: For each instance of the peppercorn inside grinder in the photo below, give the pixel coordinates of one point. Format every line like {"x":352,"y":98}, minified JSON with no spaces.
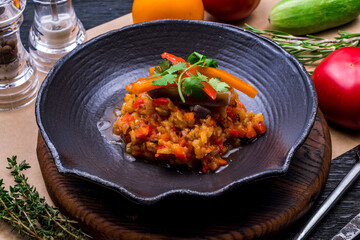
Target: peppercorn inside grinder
{"x":55,"y":31}
{"x":18,"y":77}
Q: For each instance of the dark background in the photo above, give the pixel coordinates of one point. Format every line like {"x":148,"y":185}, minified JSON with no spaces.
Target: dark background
{"x":90,"y":12}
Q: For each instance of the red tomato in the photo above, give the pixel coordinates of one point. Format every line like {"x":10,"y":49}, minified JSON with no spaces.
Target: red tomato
{"x":337,"y":83}
{"x":230,"y":10}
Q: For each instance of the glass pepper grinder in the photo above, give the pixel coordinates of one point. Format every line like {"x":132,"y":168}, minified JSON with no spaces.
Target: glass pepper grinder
{"x":56,"y":31}
{"x":18,"y":77}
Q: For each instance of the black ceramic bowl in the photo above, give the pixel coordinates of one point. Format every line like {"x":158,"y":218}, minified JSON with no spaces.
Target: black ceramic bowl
{"x":92,"y":78}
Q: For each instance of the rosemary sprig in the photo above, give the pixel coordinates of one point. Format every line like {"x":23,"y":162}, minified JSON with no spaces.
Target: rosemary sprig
{"x":29,"y":214}
{"x":309,"y":49}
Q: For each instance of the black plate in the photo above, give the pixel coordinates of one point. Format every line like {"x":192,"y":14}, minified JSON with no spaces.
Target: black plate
{"x":92,"y":78}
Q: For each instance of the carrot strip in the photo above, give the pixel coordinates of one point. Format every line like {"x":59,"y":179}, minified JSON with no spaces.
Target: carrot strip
{"x":152,"y":71}
{"x":229,"y":79}
{"x":144,"y":85}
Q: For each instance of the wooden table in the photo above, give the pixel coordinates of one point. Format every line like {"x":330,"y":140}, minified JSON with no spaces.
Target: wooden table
{"x":18,"y":129}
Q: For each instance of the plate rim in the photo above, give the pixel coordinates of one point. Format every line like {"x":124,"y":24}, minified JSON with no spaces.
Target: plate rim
{"x":181,"y":191}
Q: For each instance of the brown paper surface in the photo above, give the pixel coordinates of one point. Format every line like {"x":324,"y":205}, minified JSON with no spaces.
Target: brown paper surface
{"x":18,"y":128}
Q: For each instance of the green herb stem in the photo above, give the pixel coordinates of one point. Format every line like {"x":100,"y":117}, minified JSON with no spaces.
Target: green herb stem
{"x":309,"y":49}
{"x":15,"y":220}
{"x":180,"y":89}
{"x":179,"y":83}
{"x":23,"y":209}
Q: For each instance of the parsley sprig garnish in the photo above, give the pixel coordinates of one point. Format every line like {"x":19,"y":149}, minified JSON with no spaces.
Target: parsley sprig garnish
{"x":192,"y":85}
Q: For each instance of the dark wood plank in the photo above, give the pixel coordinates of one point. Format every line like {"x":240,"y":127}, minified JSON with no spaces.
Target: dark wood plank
{"x":259,"y":210}
{"x":347,"y":207}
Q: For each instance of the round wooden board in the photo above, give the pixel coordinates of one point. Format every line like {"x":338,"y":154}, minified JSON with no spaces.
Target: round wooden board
{"x":261,"y":209}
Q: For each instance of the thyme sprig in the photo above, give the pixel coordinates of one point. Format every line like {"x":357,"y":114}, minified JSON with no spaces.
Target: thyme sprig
{"x":309,"y":49}
{"x":29,"y":214}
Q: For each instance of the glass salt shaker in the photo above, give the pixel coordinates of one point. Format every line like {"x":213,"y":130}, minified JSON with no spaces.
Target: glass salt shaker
{"x":18,"y":77}
{"x":56,"y":31}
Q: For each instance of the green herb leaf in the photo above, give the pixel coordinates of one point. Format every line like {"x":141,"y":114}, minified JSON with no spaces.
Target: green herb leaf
{"x":172,"y":69}
{"x":198,"y":59}
{"x":201,"y":77}
{"x":29,"y":214}
{"x":165,"y":80}
{"x":195,"y":57}
{"x":210,"y":63}
{"x":177,"y":67}
{"x":163,"y":66}
{"x":194,"y":85}
{"x":218,"y":85}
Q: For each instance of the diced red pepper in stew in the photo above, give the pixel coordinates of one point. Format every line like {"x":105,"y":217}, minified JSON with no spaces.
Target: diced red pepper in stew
{"x":127,"y":118}
{"x":259,"y":128}
{"x":231,"y":113}
{"x":180,"y":153}
{"x":138,"y":103}
{"x":251,"y":133}
{"x":233,"y":132}
{"x":160,"y":101}
{"x":143,"y":132}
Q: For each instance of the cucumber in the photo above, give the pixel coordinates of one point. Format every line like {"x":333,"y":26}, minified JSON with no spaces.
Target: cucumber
{"x":300,"y":17}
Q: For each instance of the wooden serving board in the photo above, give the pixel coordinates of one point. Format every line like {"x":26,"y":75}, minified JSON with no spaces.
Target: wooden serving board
{"x":258,"y":210}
